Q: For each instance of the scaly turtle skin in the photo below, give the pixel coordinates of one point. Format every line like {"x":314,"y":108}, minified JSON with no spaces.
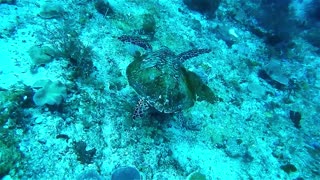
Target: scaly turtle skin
{"x":162,"y":81}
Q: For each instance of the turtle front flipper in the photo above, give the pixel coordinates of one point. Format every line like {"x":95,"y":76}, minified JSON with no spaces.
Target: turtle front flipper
{"x":136,"y":41}
{"x":141,"y":109}
{"x":192,"y":53}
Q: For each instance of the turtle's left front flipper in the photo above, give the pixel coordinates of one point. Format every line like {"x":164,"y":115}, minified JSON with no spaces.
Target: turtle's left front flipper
{"x":136,"y":41}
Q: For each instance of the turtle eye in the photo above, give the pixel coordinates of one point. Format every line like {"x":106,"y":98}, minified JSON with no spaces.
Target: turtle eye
{"x":176,"y":66}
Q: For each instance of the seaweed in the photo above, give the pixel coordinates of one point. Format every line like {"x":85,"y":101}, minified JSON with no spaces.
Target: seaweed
{"x":205,"y":7}
{"x":66,"y":40}
{"x":288,"y":168}
{"x":149,"y":25}
{"x":13,"y":104}
{"x":10,"y":2}
{"x":295,"y":118}
{"x":313,"y":12}
{"x":83,"y":155}
{"x":265,"y":76}
{"x":63,"y":136}
{"x":275,"y":24}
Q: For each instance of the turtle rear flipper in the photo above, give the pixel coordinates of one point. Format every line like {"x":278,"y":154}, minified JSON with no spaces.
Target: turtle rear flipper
{"x":199,"y":88}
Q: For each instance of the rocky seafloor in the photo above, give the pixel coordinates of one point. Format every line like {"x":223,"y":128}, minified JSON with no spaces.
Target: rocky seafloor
{"x":66,"y":105}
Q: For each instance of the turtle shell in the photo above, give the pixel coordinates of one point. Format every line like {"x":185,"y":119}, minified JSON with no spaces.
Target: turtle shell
{"x":160,"y":78}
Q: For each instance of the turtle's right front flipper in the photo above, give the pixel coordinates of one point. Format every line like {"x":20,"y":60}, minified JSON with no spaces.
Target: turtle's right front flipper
{"x":192,"y":53}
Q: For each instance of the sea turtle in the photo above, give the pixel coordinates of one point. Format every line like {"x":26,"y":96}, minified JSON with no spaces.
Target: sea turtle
{"x":161,"y":80}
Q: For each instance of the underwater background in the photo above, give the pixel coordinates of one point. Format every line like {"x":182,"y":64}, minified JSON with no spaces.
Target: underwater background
{"x":69,"y":112}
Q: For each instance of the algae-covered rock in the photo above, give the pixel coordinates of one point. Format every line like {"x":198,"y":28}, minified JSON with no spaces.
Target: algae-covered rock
{"x":41,"y":55}
{"x":89,"y":175}
{"x":51,"y":93}
{"x":126,"y":172}
{"x":149,"y":24}
{"x":277,"y":72}
{"x":256,"y":90}
{"x":196,"y":176}
{"x":51,"y":10}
